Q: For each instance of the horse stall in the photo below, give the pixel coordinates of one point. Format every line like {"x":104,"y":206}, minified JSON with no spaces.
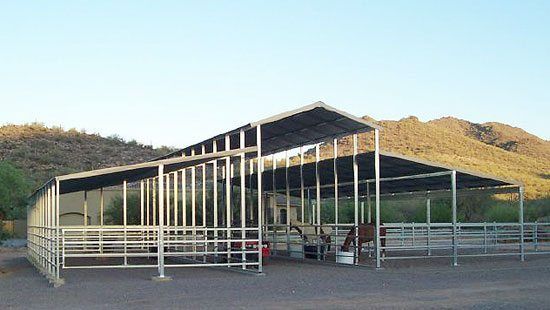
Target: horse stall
{"x":280,"y":186}
{"x":337,"y":223}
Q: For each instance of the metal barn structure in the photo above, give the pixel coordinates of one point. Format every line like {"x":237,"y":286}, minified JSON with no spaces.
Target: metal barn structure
{"x":205,"y":205}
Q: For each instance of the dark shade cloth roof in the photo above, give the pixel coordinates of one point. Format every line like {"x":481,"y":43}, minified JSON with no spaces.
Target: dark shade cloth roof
{"x":100,"y":178}
{"x":307,"y":125}
{"x":391,"y":166}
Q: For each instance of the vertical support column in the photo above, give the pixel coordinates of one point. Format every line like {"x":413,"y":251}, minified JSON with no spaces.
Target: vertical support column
{"x":228,"y":197}
{"x":142,"y":211}
{"x":154,"y":202}
{"x":302,"y":202}
{"x":85,"y":220}
{"x":377,"y":193}
{"x":184,"y":199}
{"x":57,"y":233}
{"x":356,"y":199}
{"x":250,"y":190}
{"x":101,"y":218}
{"x":521,"y":228}
{"x":317,"y":199}
{"x":243,"y":197}
{"x":193,"y":206}
{"x":428,"y":225}
{"x":141,"y":203}
{"x":215,"y":198}
{"x":287,"y":192}
{"x":52,"y":234}
{"x":317,"y":185}
{"x":203,"y":180}
{"x":48,"y":236}
{"x":176,"y":210}
{"x":176,"y":207}
{"x":161,"y":223}
{"x":260,"y":193}
{"x":148,"y":204}
{"x":455,"y":240}
{"x":167,"y":213}
{"x":125,"y":220}
{"x":274,"y":188}
{"x":336,"y":197}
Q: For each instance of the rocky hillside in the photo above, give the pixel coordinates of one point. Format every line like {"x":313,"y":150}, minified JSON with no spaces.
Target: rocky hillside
{"x":500,"y":135}
{"x":44,"y":152}
{"x":493,"y":148}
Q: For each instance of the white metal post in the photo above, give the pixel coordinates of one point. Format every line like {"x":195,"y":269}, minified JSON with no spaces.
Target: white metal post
{"x":193,"y":205}
{"x":176,"y":207}
{"x":57,"y":249}
{"x":184,"y":198}
{"x":148,"y":204}
{"x":203,"y":150}
{"x":521,"y":228}
{"x":142,"y":209}
{"x":428,"y":223}
{"x":48,"y":237}
{"x":336,"y":198}
{"x":155,"y":189}
{"x":215,"y":197}
{"x":455,"y":240}
{"x":302,"y":202}
{"x":318,"y":198}
{"x":141,"y":202}
{"x":356,"y":199}
{"x":228,"y":197}
{"x":287,"y":190}
{"x":160,"y":248}
{"x":260,"y":193}
{"x":124,"y":220}
{"x":167,"y":213}
{"x":243,"y":196}
{"x":377,"y":193}
{"x":274,"y":198}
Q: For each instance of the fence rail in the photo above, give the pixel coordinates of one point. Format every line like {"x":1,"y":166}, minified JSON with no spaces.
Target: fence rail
{"x":413,"y":240}
{"x":137,"y":246}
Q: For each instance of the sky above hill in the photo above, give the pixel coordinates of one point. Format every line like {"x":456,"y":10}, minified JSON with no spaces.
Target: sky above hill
{"x":176,"y":72}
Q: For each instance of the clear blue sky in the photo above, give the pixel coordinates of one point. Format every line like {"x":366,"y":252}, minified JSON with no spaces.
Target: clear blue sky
{"x":175,"y":72}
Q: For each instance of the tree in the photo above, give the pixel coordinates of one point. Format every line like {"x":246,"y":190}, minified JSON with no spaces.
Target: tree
{"x":114,"y":211}
{"x":14,"y":191}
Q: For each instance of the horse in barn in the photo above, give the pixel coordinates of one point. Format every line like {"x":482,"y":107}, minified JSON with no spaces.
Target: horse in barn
{"x":366,"y":234}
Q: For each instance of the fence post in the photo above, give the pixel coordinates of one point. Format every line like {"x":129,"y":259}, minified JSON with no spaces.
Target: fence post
{"x":535,"y":236}
{"x":428,"y":223}
{"x":521,"y":241}
{"x":485,"y":237}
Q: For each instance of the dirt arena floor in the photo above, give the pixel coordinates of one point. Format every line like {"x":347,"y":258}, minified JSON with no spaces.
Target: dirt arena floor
{"x":475,"y":283}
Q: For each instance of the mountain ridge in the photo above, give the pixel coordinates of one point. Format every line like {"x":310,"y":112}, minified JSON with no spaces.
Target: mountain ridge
{"x":493,"y":148}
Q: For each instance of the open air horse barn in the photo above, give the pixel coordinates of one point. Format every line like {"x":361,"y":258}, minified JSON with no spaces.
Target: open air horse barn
{"x":263,"y":190}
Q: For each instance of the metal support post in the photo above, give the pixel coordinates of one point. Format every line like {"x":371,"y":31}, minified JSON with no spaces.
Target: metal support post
{"x":455,"y":240}
{"x":377,"y":193}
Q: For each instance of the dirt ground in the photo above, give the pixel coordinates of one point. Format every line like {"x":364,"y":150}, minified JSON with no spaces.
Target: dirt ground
{"x":475,"y":283}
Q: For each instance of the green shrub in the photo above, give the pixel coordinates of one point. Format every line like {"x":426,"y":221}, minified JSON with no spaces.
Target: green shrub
{"x":14,"y":190}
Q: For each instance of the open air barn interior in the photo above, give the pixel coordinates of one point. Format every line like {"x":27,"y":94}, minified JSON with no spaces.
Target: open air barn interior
{"x":207,"y":205}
